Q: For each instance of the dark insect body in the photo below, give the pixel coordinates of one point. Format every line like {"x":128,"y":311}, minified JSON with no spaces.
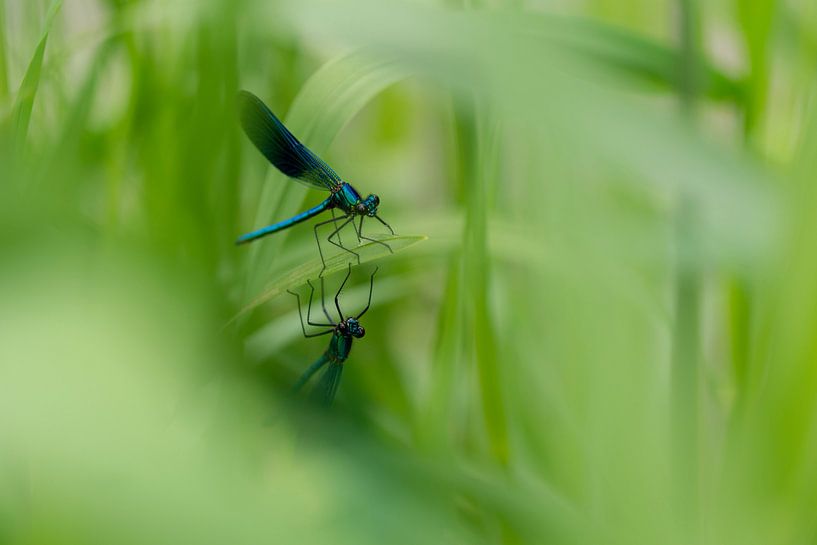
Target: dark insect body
{"x":343,"y":332}
{"x":295,"y":160}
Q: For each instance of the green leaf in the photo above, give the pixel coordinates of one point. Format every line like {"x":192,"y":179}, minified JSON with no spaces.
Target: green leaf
{"x":311,"y":269}
{"x":31,"y":81}
{"x":756,"y":18}
{"x":4,"y":81}
{"x":632,"y":56}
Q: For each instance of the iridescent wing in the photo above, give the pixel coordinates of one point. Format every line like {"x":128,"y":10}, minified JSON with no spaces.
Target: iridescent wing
{"x":309,"y":372}
{"x":280,"y":147}
{"x":325,"y":390}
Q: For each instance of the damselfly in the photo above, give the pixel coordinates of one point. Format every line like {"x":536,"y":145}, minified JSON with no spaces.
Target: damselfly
{"x":343,"y":332}
{"x":295,"y":160}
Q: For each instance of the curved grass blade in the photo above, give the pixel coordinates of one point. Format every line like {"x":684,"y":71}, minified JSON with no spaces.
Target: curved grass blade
{"x":4,"y":82}
{"x":632,"y":55}
{"x":311,"y":269}
{"x":756,"y":23}
{"x":31,"y":81}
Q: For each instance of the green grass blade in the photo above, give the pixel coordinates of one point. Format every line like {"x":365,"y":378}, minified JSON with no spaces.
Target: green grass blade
{"x":31,"y":81}
{"x":756,"y":19}
{"x":633,"y":56}
{"x":66,"y":147}
{"x":311,"y":269}
{"x":4,"y":76}
{"x":478,"y":143}
{"x":686,"y":342}
{"x":439,"y":409}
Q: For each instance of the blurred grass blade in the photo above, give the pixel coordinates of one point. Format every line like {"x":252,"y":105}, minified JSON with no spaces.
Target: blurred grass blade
{"x":431,"y":429}
{"x":517,"y":383}
{"x":478,"y":135}
{"x":4,"y":76}
{"x":66,"y":146}
{"x":685,"y":378}
{"x":311,"y":269}
{"x":329,"y":100}
{"x":31,"y":81}
{"x":756,"y":18}
{"x":632,"y":55}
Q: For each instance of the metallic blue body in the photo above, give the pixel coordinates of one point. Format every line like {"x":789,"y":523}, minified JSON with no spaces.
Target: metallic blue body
{"x":295,"y":160}
{"x":281,"y":225}
{"x":347,"y":198}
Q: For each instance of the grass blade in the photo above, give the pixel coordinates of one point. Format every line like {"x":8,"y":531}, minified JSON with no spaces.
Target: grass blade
{"x":311,"y":269}
{"x":431,"y":429}
{"x":31,"y":81}
{"x":4,"y":76}
{"x":633,"y":56}
{"x":685,"y":378}
{"x":756,"y":19}
{"x":477,"y":136}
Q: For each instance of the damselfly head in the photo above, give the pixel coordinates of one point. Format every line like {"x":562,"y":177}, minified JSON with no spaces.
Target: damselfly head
{"x":370,"y":205}
{"x":353,"y":328}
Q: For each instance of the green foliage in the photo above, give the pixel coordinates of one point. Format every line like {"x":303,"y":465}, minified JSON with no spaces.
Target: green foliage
{"x":607,"y":334}
{"x":31,"y":81}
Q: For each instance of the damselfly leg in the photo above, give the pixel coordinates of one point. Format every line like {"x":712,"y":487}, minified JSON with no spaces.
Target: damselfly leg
{"x":371,"y":288}
{"x":337,"y":295}
{"x":360,"y":235}
{"x":345,"y":220}
{"x":308,"y":316}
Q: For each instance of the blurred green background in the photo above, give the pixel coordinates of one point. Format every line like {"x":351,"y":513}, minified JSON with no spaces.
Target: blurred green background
{"x":609,"y":336}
